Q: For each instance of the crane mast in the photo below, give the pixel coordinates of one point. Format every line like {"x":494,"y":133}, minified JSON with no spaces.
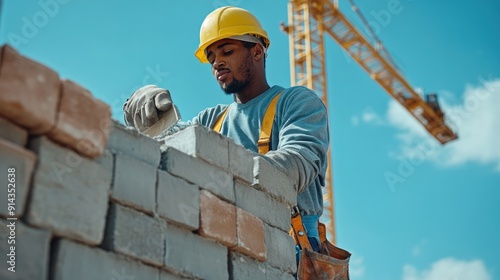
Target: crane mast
{"x":307,"y":68}
{"x":308,"y":21}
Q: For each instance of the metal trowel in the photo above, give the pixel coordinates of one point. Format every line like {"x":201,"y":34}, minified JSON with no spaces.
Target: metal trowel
{"x":166,"y":120}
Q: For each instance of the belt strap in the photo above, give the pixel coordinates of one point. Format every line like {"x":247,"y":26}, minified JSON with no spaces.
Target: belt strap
{"x":299,"y":233}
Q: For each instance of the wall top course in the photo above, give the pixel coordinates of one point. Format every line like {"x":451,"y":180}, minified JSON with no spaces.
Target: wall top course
{"x":82,"y":122}
{"x":34,"y":97}
{"x":200,"y":142}
{"x":129,"y":141}
{"x":30,"y":91}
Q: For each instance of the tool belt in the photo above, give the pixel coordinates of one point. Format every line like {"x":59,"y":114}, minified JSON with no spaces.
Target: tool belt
{"x":330,"y":263}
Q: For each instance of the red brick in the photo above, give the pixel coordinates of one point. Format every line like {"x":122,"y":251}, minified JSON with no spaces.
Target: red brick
{"x":23,"y":161}
{"x":83,"y":122}
{"x":29,"y":91}
{"x":217,"y":219}
{"x":251,"y":236}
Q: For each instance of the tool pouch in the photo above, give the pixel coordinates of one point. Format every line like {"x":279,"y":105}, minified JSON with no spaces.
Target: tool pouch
{"x":331,"y":263}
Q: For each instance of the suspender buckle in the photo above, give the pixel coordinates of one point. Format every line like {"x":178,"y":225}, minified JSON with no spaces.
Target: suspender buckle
{"x":263,"y":142}
{"x":295,"y":211}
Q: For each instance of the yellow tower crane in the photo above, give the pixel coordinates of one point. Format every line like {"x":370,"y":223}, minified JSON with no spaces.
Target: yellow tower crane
{"x":308,"y":21}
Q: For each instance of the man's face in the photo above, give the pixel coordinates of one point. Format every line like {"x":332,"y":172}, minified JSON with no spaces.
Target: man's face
{"x":232,"y":64}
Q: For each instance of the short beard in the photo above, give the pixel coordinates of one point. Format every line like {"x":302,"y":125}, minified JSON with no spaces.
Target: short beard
{"x":237,"y":85}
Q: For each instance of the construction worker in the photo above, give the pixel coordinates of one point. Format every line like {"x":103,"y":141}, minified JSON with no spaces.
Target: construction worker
{"x":233,"y":42}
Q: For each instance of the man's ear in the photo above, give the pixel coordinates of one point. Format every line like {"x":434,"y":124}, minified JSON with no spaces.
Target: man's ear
{"x":258,"y":51}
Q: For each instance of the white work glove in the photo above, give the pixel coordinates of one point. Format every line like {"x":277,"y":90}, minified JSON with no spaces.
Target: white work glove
{"x":145,"y":105}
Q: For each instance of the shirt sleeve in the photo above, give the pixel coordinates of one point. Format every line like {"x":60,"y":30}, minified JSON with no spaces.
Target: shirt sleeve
{"x":209,"y":116}
{"x":303,"y":139}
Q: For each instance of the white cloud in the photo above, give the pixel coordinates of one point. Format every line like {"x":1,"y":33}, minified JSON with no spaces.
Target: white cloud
{"x":356,"y":267}
{"x":368,"y":116}
{"x":371,"y":117}
{"x":448,"y":95}
{"x":411,"y":130}
{"x":449,"y":269}
{"x":476,"y":119}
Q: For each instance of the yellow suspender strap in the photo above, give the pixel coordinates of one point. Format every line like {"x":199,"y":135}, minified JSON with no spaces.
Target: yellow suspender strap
{"x":266,"y":126}
{"x":218,"y":124}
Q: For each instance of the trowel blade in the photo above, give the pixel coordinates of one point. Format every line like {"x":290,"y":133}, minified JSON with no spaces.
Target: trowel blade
{"x":166,"y":120}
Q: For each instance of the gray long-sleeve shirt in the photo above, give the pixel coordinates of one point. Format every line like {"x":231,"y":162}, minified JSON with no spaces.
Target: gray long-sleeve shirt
{"x":299,"y":139}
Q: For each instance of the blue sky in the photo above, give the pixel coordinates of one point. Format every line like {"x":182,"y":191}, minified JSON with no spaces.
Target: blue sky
{"x":440,"y":220}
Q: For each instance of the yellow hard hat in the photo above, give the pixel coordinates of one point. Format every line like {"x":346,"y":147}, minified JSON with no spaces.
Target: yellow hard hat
{"x":226,"y":22}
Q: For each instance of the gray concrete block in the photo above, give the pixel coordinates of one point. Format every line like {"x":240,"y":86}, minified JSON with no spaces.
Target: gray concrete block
{"x":280,"y":249}
{"x":107,"y":162}
{"x":134,"y":234}
{"x":273,"y":181}
{"x":200,"y":142}
{"x":276,"y":274}
{"x":78,"y":262}
{"x":241,"y":162}
{"x":198,"y":172}
{"x":15,"y":192}
{"x":70,"y":192}
{"x":242,"y":267}
{"x":250,"y":199}
{"x":32,"y":248}
{"x":164,"y":275}
{"x":134,"y":183}
{"x":13,"y":133}
{"x":191,"y":254}
{"x":178,"y":201}
{"x":128,"y":141}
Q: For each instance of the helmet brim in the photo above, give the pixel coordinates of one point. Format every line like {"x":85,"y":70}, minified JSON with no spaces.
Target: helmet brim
{"x":200,"y":52}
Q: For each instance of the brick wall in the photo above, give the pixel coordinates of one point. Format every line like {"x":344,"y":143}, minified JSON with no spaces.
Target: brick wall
{"x":96,"y":200}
